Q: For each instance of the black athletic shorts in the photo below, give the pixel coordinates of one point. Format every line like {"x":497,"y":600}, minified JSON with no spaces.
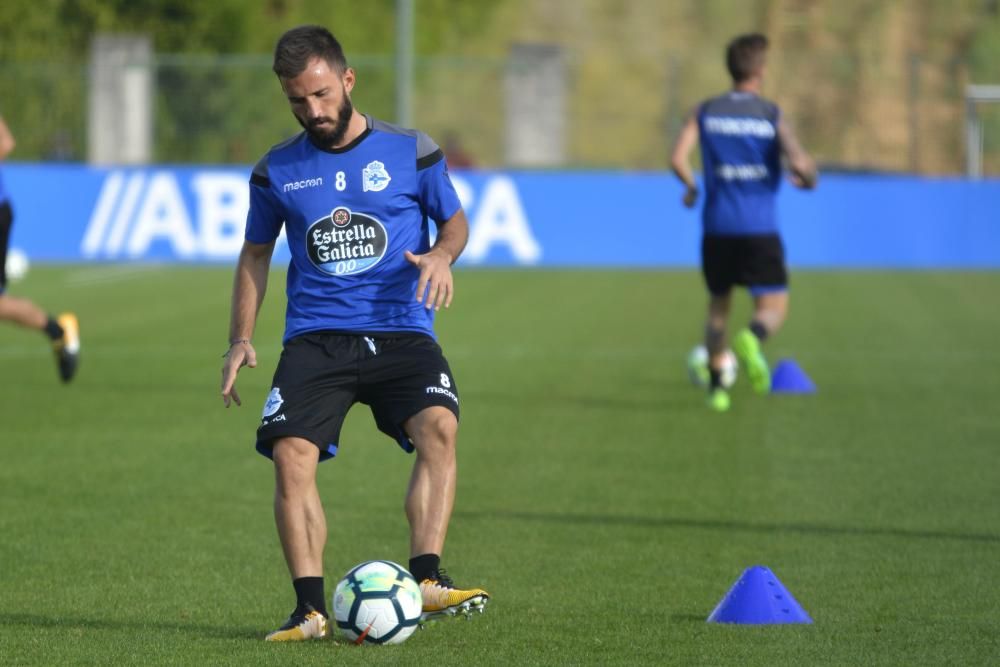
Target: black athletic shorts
{"x":756,"y":262}
{"x":6,"y":220}
{"x":321,"y":375}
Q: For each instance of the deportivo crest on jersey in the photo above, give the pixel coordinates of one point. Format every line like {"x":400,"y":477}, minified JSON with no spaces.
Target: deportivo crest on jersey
{"x":344,"y":242}
{"x":273,"y":403}
{"x":374,"y":177}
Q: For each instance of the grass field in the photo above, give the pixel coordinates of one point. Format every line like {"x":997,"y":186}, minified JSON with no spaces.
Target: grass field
{"x":601,"y":504}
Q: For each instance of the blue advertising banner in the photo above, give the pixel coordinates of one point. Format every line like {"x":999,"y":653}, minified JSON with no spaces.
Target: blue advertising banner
{"x":75,"y":213}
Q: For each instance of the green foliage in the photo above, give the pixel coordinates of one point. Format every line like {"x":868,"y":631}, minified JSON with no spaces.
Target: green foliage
{"x":866,"y":83}
{"x":599,"y":501}
{"x":984,"y":54}
{"x":212,"y":104}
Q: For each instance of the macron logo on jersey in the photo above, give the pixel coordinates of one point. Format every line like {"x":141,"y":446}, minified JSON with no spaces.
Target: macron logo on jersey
{"x":303,"y":184}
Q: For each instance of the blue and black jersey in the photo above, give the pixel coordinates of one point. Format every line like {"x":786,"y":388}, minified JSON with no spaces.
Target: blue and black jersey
{"x":741,"y":155}
{"x":349,"y":214}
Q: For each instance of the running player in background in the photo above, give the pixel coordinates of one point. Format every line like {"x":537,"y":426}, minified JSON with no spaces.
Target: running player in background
{"x":743,"y":138}
{"x":62,"y":331}
{"x":355,"y":196}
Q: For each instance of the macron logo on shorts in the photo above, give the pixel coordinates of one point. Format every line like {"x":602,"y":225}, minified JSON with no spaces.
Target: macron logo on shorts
{"x":443,"y":389}
{"x":443,"y":392}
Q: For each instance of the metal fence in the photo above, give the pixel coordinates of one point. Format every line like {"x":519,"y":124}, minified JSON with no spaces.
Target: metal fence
{"x":853,"y":115}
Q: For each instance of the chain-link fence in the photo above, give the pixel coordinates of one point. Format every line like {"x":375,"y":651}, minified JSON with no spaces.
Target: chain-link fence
{"x":853,"y":115}
{"x":989,"y":137}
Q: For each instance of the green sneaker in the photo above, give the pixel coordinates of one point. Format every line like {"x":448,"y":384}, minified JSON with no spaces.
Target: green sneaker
{"x":747,"y":349}
{"x":718,"y":399}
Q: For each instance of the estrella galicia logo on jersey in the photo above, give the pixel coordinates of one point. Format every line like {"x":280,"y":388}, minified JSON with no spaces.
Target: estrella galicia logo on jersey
{"x":375,"y":177}
{"x":344,"y":242}
{"x":273,"y":403}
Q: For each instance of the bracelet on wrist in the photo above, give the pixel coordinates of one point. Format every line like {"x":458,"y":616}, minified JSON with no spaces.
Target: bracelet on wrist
{"x":234,"y":343}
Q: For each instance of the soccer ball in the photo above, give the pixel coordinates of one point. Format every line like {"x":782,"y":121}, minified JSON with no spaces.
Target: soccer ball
{"x":17,"y":265}
{"x":377,"y":602}
{"x":697,"y":365}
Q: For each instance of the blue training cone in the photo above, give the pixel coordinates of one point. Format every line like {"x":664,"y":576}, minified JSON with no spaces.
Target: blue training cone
{"x":758,"y":598}
{"x":789,"y":378}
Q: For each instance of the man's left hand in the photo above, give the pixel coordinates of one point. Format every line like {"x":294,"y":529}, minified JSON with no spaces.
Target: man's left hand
{"x":435,"y":286}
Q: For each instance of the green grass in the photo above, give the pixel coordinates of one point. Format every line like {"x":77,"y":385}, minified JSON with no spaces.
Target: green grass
{"x":600,"y":502}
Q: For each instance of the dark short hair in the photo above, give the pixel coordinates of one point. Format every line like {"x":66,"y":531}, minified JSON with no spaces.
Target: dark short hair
{"x":745,"y":56}
{"x":300,"y":45}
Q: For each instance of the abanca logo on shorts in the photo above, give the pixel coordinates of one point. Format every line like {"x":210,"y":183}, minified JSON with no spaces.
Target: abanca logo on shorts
{"x":344,"y":242}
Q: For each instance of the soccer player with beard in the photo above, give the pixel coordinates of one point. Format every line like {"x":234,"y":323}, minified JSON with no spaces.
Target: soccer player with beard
{"x":355,"y":196}
{"x":743,"y":139}
{"x":63,"y":331}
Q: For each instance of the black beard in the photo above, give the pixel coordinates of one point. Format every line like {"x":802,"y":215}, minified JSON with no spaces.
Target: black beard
{"x":330,"y":138}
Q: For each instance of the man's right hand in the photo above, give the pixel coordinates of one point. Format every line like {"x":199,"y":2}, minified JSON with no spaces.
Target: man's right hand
{"x":240,"y":354}
{"x":690,"y":196}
